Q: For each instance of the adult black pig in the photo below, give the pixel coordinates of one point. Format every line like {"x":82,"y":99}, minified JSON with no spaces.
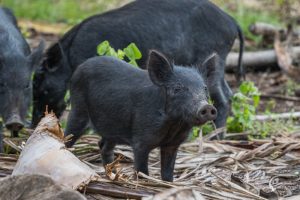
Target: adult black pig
{"x":16,"y":66}
{"x":187,"y":31}
{"x":144,"y":109}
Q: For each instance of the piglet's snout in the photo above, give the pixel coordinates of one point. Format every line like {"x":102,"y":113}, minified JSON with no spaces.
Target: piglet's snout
{"x":207,"y":113}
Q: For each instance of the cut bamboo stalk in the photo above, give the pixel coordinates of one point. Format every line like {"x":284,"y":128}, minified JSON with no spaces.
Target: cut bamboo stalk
{"x":45,"y":153}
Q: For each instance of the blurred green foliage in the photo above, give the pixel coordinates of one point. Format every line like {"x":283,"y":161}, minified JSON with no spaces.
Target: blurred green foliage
{"x":67,"y":11}
{"x":248,"y":13}
{"x":243,"y":107}
{"x":245,"y":17}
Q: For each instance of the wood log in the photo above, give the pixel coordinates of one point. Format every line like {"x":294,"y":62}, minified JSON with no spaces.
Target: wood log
{"x":261,"y":28}
{"x":257,"y":60}
{"x":269,"y":31}
{"x":277,"y":116}
{"x":280,"y":97}
{"x":269,"y":58}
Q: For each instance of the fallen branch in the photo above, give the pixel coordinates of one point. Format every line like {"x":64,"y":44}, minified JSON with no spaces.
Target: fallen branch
{"x":214,"y":133}
{"x":277,"y":116}
{"x":256,"y":60}
{"x":269,"y":31}
{"x":280,"y":97}
{"x":261,"y":28}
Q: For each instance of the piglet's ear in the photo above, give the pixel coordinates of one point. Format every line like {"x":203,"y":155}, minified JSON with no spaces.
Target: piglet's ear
{"x":159,"y":68}
{"x":36,"y":56}
{"x":209,"y":66}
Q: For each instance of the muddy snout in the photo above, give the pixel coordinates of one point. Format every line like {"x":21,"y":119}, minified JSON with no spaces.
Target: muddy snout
{"x":14,"y":124}
{"x":206,"y":113}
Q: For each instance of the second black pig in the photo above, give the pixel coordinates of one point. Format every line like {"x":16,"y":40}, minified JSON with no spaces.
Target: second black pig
{"x":140,"y":108}
{"x":185,"y":30}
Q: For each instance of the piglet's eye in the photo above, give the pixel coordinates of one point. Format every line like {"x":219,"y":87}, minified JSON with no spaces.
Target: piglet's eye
{"x":27,"y":86}
{"x":2,"y":87}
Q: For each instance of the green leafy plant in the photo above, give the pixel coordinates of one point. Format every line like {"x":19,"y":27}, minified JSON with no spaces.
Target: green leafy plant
{"x":244,"y":105}
{"x":244,"y":108}
{"x":207,"y":128}
{"x":131,"y":52}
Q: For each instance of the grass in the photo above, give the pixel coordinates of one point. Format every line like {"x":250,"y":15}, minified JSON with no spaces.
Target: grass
{"x":245,"y":17}
{"x":67,"y":11}
{"x":290,"y":87}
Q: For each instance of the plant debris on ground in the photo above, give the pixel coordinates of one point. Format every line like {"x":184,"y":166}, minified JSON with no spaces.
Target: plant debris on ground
{"x":257,"y":169}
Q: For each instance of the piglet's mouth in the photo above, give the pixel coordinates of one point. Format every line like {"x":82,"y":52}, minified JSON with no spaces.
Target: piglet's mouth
{"x":199,"y":122}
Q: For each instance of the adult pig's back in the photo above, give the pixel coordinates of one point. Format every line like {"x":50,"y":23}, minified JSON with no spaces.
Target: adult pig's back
{"x":186,"y":31}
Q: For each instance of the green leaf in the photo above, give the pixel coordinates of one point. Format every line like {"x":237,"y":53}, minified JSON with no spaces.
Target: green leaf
{"x":256,"y":100}
{"x":121,"y":54}
{"x":132,"y":52}
{"x":210,"y":101}
{"x":196,"y":131}
{"x":103,"y":48}
{"x":243,"y":88}
{"x":67,"y":96}
{"x":207,"y":128}
{"x":112,"y":52}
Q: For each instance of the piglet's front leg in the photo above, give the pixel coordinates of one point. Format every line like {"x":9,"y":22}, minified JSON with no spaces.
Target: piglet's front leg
{"x":168,"y":157}
{"x":141,"y":155}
